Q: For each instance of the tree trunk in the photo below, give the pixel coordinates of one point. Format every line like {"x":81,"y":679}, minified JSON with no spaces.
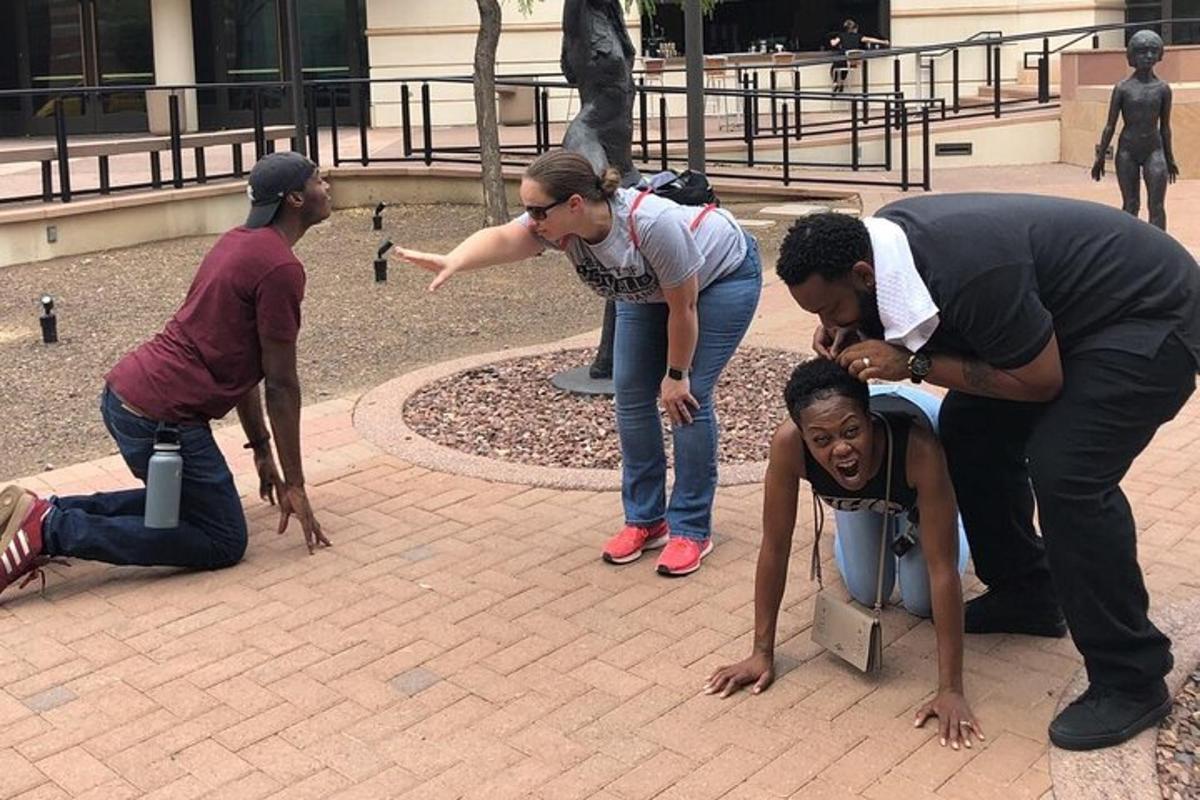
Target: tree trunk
{"x":495,"y":203}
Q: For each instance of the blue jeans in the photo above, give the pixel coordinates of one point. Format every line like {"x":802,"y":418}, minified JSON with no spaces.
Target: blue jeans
{"x":856,"y":548}
{"x":725,"y":309}
{"x":109,"y":526}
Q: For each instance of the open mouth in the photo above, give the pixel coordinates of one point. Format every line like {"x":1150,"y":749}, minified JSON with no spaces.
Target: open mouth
{"x":847,"y":469}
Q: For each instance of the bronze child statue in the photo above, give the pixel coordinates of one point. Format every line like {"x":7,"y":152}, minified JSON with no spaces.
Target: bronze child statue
{"x":1144,"y":102}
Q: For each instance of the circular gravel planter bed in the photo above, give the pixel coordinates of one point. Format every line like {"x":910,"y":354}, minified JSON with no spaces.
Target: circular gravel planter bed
{"x":509,"y":411}
{"x":1178,"y":743}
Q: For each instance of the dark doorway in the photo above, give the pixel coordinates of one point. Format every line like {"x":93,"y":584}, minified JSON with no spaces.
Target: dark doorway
{"x":1173,"y":33}
{"x":246,"y":41}
{"x":51,"y":45}
{"x":738,"y":26}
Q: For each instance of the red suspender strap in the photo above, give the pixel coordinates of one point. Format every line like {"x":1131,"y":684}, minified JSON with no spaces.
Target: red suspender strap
{"x":637,"y":201}
{"x":700,"y":217}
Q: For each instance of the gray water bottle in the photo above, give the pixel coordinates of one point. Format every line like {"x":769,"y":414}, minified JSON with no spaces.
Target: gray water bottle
{"x":164,"y":479}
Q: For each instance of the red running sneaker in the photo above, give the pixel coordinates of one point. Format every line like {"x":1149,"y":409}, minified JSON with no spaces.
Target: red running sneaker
{"x":633,"y":540}
{"x":682,"y":556}
{"x":21,"y":539}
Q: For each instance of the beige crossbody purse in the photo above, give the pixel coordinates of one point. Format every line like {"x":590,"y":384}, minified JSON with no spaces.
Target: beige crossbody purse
{"x":844,"y":627}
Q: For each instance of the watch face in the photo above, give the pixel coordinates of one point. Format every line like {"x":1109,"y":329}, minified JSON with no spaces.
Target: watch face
{"x":921,"y":364}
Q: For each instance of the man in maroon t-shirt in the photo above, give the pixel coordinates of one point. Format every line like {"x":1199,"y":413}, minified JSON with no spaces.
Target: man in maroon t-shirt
{"x":237,"y":328}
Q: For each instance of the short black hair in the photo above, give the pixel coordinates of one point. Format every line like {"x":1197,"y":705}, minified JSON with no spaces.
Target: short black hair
{"x":826,"y":244}
{"x":818,"y":378}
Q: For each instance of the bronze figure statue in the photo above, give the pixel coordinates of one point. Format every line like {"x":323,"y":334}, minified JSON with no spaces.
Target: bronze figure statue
{"x":1144,"y":148}
{"x":597,"y":58}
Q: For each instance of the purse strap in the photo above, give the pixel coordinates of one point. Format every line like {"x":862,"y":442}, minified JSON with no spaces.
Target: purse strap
{"x":819,"y":524}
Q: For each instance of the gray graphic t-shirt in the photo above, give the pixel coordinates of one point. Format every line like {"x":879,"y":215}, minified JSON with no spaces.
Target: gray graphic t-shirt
{"x":668,"y":254}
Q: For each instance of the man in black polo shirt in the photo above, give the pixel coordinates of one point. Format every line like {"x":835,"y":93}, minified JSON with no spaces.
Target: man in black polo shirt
{"x":1067,"y":332}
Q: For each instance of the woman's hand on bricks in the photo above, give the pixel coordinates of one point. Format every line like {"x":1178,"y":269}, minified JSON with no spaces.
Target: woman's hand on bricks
{"x":758,"y":669}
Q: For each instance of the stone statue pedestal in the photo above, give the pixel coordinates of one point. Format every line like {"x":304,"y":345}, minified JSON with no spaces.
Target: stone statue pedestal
{"x":596,"y":378}
{"x":580,"y":381}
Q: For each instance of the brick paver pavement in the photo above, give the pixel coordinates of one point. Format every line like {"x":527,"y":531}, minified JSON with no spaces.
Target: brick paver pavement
{"x":463,"y":639}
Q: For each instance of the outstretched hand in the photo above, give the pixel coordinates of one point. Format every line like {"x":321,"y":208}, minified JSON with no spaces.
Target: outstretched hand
{"x":432,"y":262}
{"x":1098,"y":169}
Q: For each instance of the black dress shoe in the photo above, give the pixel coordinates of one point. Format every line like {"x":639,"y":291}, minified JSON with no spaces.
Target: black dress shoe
{"x":1026,"y":608}
{"x":1103,"y":716}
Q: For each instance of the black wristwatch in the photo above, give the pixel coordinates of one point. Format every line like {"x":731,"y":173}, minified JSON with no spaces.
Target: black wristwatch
{"x":919,"y":365}
{"x":676,"y":374}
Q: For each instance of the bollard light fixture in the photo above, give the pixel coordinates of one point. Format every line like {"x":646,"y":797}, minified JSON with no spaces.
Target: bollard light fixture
{"x":48,"y":320}
{"x":381,"y":263}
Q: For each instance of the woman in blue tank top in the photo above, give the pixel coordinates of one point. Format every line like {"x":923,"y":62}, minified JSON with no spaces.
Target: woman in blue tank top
{"x":837,"y":440}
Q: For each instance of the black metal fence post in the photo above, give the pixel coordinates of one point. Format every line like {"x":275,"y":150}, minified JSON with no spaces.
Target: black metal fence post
{"x":662,"y":131}
{"x":996,"y":82}
{"x":904,"y":146}
{"x":1044,"y":72}
{"x":105,"y":180}
{"x":47,"y":182}
{"x":754,"y":102}
{"x":334,"y":151}
{"x":155,"y":169}
{"x":954,"y":76}
{"x":926,"y":166}
{"x":260,"y":137}
{"x":546,"y":116}
{"x":176,"y":142}
{"x":888,"y":110}
{"x":406,"y":118}
{"x":854,"y":134}
{"x":896,"y":85}
{"x":774,"y":110}
{"x":314,"y":149}
{"x":426,"y":123}
{"x":644,"y":118}
{"x":783,"y":140}
{"x":797,"y":101}
{"x":866,"y":90}
{"x":538,"y":145}
{"x":364,"y":122}
{"x":61,"y":150}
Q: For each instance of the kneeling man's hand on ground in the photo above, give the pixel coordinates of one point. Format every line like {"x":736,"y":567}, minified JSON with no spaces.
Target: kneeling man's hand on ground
{"x":294,"y":500}
{"x":270,"y":483}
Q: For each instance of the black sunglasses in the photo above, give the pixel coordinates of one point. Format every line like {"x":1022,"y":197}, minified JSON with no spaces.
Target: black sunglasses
{"x":539,"y":212}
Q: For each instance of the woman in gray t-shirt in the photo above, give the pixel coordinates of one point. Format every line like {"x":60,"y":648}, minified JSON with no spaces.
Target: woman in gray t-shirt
{"x":686,"y":281}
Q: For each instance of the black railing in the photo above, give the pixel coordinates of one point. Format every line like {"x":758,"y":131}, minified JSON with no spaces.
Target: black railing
{"x":763,"y":123}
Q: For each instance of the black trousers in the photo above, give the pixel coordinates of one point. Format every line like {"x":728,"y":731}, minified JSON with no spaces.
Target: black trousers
{"x":1071,"y":453}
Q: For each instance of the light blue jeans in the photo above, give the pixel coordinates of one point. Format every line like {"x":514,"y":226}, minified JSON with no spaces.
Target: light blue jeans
{"x":725,"y":309}
{"x":856,"y":548}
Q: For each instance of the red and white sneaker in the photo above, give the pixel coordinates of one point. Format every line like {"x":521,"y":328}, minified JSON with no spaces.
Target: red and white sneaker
{"x":21,"y":540}
{"x":633,"y":540}
{"x":682,"y":556}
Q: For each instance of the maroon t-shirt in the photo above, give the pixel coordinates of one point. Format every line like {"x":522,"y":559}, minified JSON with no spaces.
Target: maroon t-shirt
{"x":208,"y":356}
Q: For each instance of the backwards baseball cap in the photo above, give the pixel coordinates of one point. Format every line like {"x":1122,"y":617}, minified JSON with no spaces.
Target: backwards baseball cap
{"x":273,"y":177}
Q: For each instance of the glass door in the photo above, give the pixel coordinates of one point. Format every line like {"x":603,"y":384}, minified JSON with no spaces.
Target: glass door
{"x":57,"y":56}
{"x":73,"y":43}
{"x":124,"y":56}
